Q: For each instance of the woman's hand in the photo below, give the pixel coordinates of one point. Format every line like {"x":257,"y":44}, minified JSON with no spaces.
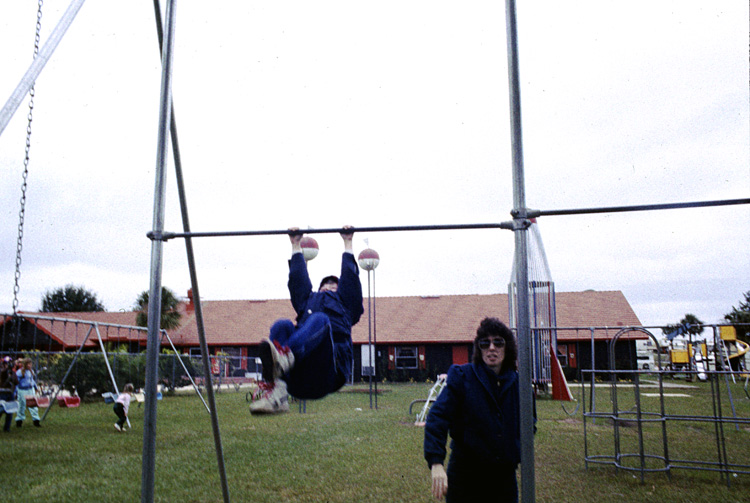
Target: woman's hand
{"x":439,"y":481}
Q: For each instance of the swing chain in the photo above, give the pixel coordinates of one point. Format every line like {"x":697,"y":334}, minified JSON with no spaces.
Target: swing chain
{"x":22,"y":212}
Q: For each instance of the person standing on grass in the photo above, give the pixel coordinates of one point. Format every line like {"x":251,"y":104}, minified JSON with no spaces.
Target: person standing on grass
{"x":479,"y":407}
{"x":313,"y":358}
{"x":26,"y":388}
{"x":8,"y":381}
{"x":122,"y":404}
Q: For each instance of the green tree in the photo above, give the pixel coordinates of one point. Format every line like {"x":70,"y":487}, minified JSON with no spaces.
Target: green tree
{"x":170,"y":316}
{"x":741,"y":314}
{"x":70,"y":299}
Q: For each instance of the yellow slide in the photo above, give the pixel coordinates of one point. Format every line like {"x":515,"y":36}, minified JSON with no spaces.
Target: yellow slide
{"x":742,"y":348}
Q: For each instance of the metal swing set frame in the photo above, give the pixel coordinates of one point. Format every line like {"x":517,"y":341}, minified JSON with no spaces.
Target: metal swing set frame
{"x":167,"y":128}
{"x":91,"y":327}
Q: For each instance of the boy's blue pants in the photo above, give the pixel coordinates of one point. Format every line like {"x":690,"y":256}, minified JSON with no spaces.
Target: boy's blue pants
{"x":321,"y":366}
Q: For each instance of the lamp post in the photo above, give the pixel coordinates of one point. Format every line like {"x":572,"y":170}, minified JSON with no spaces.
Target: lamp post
{"x":368,"y":260}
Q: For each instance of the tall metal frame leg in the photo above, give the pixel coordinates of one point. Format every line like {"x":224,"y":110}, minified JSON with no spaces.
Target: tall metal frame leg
{"x":528,"y":490}
{"x":154,"y":308}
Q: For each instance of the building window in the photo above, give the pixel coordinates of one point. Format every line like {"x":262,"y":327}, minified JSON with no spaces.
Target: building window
{"x":232,"y":361}
{"x":233,"y":354}
{"x":562,"y":355}
{"x":407,"y":357}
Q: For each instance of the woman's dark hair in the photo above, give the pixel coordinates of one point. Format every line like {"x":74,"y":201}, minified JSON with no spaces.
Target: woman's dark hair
{"x":491,"y":327}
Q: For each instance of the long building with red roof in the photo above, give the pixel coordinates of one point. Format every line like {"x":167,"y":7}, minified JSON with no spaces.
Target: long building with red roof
{"x":416,"y":337}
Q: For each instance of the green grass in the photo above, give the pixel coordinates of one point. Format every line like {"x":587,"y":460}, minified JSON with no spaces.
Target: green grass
{"x":341,"y":451}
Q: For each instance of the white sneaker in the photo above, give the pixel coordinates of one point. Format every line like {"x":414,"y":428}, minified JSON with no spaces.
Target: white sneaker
{"x":117,"y":427}
{"x":271,"y":398}
{"x":275,"y":359}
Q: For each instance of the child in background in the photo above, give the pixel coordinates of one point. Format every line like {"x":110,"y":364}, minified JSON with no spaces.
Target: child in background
{"x":122,"y":404}
{"x":26,"y":387}
{"x":8,"y":382}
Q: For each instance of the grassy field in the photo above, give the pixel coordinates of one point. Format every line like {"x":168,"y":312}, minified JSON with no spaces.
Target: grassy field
{"x":341,"y":451}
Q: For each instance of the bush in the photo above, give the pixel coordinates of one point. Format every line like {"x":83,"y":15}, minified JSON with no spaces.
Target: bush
{"x":89,"y":373}
{"x":172,"y":374}
{"x":90,"y":376}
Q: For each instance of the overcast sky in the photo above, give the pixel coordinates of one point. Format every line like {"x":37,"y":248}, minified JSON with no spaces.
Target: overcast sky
{"x":320,"y":114}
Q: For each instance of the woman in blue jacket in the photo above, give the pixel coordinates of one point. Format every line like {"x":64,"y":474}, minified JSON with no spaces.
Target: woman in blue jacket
{"x":314,"y":357}
{"x":479,"y":408}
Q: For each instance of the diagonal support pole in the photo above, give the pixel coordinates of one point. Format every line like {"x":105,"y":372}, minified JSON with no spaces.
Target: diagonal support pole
{"x":36,"y":67}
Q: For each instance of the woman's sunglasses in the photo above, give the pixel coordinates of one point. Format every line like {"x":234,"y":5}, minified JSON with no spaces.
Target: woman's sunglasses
{"x":498,"y":342}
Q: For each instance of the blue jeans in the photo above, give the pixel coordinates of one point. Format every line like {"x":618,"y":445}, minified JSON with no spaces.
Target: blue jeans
{"x":320,"y":365}
{"x":21,"y":414}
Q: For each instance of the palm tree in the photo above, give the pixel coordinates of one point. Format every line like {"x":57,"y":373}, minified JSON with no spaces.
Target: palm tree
{"x":170,"y":317}
{"x":693,"y":325}
{"x":689,"y":325}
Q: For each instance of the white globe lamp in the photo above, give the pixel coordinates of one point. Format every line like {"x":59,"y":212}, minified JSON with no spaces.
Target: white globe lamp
{"x":368,"y":259}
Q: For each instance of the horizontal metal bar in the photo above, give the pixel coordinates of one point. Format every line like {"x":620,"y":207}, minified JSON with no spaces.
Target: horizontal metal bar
{"x":643,"y":207}
{"x":78,"y":321}
{"x":169,"y":235}
{"x":529,"y":213}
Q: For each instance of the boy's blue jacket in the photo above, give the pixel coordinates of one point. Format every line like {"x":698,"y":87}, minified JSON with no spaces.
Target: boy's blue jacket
{"x":343,"y":307}
{"x":481,"y":413}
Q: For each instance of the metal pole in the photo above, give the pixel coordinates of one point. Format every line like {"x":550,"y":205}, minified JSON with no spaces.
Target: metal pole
{"x":369,"y":335}
{"x":154,"y":306}
{"x":519,"y":214}
{"x":196,"y":292}
{"x":165,"y":236}
{"x":374,"y":342}
{"x":526,"y":399}
{"x":45,"y":53}
{"x":187,"y":372}
{"x":641,"y":207}
{"x":593,"y":375}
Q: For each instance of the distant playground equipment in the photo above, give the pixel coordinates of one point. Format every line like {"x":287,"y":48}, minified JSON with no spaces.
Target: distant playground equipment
{"x":689,"y":357}
{"x":733,"y":349}
{"x":54,"y":392}
{"x":68,"y":401}
{"x":427,"y":403}
{"x":542,"y":310}
{"x":723,"y":352}
{"x":628,"y":410}
{"x":546,"y":368}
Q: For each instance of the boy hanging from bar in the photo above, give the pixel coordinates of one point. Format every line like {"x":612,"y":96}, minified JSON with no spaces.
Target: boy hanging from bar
{"x":314,"y":357}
